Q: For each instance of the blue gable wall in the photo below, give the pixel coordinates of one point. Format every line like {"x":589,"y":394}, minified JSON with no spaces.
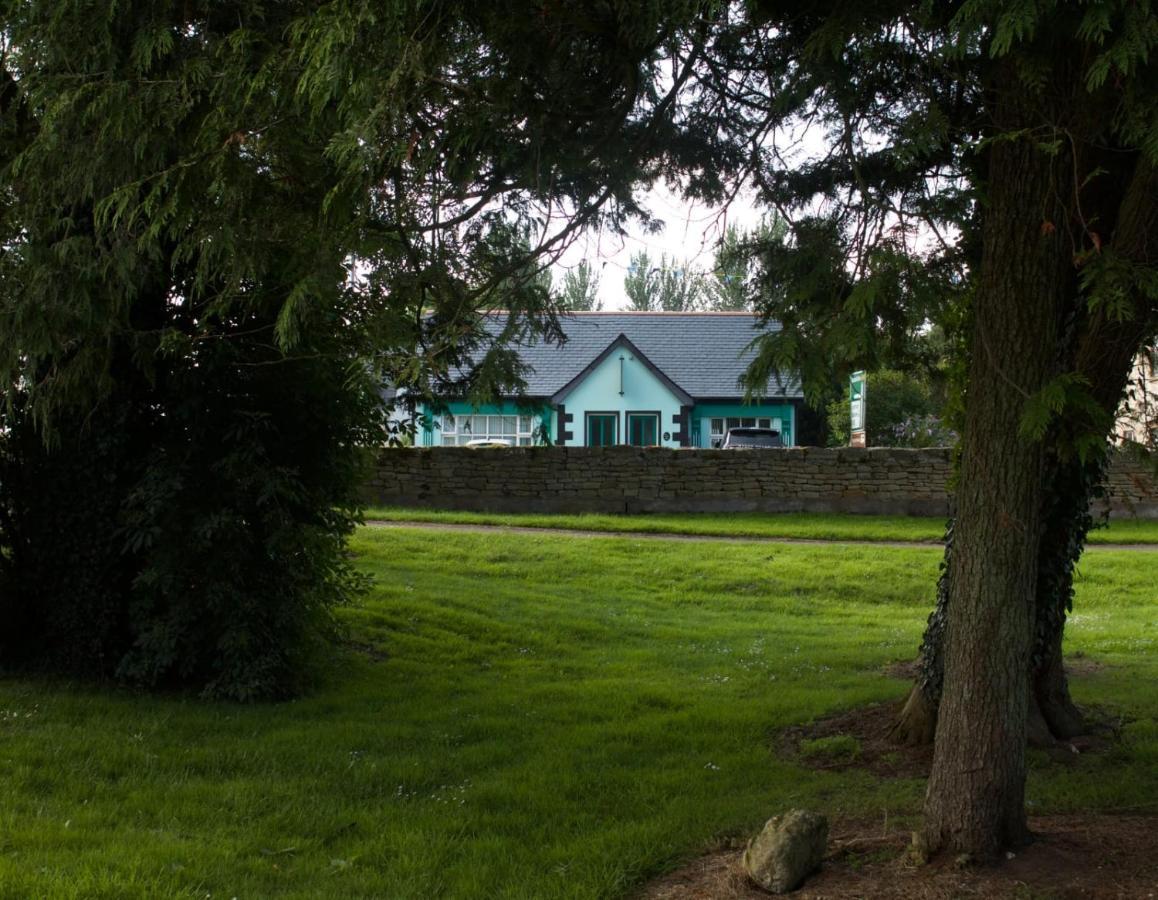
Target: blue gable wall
{"x":621,"y":384}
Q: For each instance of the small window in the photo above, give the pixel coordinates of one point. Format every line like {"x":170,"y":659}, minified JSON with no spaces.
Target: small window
{"x":602,"y":429}
{"x":643,"y":429}
{"x":447,"y":427}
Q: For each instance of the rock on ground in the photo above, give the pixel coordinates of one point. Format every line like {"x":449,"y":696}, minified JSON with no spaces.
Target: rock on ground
{"x":788,"y":850}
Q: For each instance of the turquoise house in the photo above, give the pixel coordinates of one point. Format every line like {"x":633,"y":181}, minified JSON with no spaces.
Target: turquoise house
{"x":639,"y":379}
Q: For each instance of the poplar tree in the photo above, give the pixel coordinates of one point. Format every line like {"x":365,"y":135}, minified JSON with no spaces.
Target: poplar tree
{"x":731,"y":283}
{"x":663,"y":287}
{"x":580,"y":289}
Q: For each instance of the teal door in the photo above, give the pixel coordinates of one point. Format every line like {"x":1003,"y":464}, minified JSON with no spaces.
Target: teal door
{"x":602,"y":429}
{"x":643,"y":429}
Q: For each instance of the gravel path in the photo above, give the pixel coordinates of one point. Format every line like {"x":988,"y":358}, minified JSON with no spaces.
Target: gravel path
{"x":664,"y":536}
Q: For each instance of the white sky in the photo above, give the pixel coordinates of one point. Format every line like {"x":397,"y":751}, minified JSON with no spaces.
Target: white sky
{"x":689,"y":237}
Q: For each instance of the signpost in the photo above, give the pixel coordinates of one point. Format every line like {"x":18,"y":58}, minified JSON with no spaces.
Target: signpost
{"x":857,"y":385}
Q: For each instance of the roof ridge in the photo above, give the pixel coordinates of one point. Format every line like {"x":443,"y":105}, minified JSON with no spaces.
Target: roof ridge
{"x":659,"y":312}
{"x":637,"y":312}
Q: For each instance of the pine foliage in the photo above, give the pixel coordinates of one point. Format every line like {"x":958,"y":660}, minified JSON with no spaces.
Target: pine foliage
{"x":222,"y":225}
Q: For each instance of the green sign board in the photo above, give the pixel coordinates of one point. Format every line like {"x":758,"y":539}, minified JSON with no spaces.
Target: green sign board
{"x":857,"y":390}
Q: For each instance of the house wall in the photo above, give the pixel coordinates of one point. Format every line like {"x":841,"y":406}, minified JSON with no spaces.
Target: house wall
{"x":1138,"y":411}
{"x":632,"y":479}
{"x":599,"y":392}
{"x":703,"y":414}
{"x":430,"y":435}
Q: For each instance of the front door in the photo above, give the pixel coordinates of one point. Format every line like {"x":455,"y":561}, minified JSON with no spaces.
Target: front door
{"x":602,"y":429}
{"x":643,"y":429}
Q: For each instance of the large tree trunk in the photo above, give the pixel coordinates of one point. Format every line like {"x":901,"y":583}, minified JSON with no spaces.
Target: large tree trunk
{"x":1051,"y":708}
{"x":1102,"y":351}
{"x":975,"y":802}
{"x":1101,"y":348}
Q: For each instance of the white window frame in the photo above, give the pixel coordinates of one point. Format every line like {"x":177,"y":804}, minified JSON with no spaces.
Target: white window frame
{"x":456,"y":429}
{"x":718,"y":426}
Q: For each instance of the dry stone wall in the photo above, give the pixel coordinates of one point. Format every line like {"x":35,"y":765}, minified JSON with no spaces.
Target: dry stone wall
{"x":630,"y":479}
{"x":1131,"y":489}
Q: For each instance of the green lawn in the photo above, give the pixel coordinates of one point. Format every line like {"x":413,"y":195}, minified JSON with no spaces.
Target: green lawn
{"x":528,"y":716}
{"x":808,"y":526}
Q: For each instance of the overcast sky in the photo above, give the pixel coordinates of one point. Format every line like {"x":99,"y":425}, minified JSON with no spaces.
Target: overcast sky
{"x":689,"y":237}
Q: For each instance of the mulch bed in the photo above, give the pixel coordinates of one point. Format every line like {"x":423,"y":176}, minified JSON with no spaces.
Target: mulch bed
{"x":1089,"y":856}
{"x":871,"y":726}
{"x":1075,"y":856}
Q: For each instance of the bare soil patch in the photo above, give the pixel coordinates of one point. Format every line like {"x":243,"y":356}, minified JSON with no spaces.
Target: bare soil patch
{"x":872,"y":747}
{"x":1080,"y":666}
{"x":862,"y":739}
{"x":904,"y":670}
{"x":1090,"y":856}
{"x":870,"y":727}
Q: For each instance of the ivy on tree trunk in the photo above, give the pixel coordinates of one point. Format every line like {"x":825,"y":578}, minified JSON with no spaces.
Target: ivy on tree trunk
{"x":975,"y":802}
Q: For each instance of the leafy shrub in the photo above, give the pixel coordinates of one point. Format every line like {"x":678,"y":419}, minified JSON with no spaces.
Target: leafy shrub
{"x":188,"y":532}
{"x":63,"y":578}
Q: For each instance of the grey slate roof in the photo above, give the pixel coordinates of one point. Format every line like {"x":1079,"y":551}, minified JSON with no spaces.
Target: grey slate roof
{"x":703,"y":353}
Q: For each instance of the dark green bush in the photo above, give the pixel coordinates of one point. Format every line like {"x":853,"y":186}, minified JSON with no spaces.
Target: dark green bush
{"x":189,"y":535}
{"x":64,"y":579}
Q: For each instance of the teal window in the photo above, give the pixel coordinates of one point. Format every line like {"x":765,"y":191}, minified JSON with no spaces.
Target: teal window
{"x":602,"y":429}
{"x":643,"y":429}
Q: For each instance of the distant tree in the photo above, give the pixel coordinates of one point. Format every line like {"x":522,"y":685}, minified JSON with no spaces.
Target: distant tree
{"x":638,"y":283}
{"x":730,"y":286}
{"x":580,"y":291}
{"x":664,"y":287}
{"x":679,"y":288}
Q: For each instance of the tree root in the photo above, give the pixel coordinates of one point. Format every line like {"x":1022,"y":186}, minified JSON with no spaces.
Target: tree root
{"x":917,"y":723}
{"x":1053,"y":716}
